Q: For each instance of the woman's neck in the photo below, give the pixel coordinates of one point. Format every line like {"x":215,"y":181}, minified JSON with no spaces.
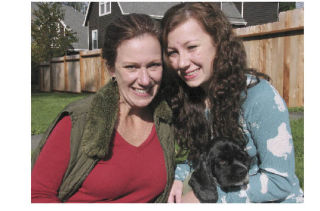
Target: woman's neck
{"x":134,"y":124}
{"x":134,"y":115}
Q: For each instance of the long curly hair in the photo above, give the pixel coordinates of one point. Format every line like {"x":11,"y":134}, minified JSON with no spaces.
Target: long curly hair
{"x":227,"y":86}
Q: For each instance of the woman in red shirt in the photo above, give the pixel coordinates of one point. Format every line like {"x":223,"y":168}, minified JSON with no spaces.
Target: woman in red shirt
{"x":115,"y":146}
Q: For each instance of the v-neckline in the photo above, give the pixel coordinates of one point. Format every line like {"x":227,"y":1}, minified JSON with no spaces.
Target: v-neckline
{"x":143,"y":144}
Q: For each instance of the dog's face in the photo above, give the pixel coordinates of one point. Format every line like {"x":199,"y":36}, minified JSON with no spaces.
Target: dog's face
{"x":229,"y":163}
{"x":226,"y":164}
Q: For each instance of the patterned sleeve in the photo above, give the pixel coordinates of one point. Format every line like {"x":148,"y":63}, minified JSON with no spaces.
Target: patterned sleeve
{"x":182,"y":171}
{"x":267,"y":120}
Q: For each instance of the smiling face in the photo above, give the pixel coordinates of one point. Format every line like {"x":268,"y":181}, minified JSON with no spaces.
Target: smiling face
{"x":191,"y":52}
{"x":138,"y":70}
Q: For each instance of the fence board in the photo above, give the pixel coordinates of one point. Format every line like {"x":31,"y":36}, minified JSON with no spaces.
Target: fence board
{"x":91,"y":68}
{"x":277,"y":49}
{"x":73,"y":76}
{"x":57,"y":74}
{"x":45,"y":83}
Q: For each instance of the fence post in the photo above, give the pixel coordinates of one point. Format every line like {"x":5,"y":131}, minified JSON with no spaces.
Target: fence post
{"x":66,"y":80}
{"x":102,"y":81}
{"x":286,"y":70}
{"x":81,"y":72}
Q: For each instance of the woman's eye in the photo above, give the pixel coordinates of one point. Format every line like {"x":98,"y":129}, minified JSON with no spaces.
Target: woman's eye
{"x":155,"y":65}
{"x":129,"y":67}
{"x":192,"y":47}
{"x":171,"y":53}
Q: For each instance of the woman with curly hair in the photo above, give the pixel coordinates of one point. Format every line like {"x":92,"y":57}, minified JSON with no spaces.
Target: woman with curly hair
{"x":213,"y":93}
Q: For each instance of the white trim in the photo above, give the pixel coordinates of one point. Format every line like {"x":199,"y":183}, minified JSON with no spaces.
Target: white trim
{"x":239,"y":22}
{"x":126,"y":13}
{"x":85,"y":18}
{"x":241,"y":9}
{"x":157,"y":16}
{"x":92,"y":43}
{"x":107,"y":11}
{"x":120,"y":8}
{"x":88,"y":39}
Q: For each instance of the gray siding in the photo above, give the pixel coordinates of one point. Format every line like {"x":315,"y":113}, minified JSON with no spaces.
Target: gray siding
{"x":256,"y":13}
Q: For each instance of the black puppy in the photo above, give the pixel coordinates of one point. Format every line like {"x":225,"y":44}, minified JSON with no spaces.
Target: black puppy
{"x":225,"y":164}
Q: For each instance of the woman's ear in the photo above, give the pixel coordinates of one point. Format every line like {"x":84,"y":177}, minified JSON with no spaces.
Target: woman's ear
{"x":111,"y":71}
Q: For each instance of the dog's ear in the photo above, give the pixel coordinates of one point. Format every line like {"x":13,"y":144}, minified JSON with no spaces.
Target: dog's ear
{"x":204,"y":187}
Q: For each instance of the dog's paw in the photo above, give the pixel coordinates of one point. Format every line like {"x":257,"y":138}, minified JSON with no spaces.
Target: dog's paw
{"x":205,"y":193}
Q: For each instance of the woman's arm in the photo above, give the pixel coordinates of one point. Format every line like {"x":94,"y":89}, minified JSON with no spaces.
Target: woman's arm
{"x":48,"y":171}
{"x":181,"y":172}
{"x":267,"y":120}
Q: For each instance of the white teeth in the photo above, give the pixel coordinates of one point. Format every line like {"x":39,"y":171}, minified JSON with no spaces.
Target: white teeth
{"x":192,"y":72}
{"x":142,"y":91}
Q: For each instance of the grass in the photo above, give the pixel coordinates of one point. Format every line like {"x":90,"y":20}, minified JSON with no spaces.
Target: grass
{"x":46,"y":106}
{"x":296,"y":109}
{"x":297,"y":129}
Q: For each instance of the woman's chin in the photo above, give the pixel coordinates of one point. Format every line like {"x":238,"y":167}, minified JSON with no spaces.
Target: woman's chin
{"x":193,"y":83}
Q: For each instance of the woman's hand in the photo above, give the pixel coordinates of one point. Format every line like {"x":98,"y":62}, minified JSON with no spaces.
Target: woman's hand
{"x":189,"y":198}
{"x":176,"y":192}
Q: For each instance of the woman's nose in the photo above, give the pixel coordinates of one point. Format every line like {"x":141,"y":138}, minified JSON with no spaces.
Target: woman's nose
{"x":144,"y":78}
{"x":184,"y":61}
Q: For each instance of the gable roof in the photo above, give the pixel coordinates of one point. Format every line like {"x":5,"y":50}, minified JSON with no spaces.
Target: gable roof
{"x":153,"y":9}
{"x":72,"y":18}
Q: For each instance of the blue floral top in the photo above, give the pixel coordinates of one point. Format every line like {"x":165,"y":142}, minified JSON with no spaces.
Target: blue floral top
{"x":265,"y":120}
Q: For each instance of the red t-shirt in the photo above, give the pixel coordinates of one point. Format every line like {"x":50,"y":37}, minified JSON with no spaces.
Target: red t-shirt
{"x":132,"y":174}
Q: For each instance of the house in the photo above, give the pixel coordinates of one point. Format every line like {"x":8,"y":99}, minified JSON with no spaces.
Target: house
{"x":240,"y":14}
{"x":256,"y":13}
{"x":72,"y":20}
{"x":100,"y":14}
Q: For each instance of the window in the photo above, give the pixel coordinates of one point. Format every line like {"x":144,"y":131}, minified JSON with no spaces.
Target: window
{"x":94,"y":39}
{"x":104,"y":8}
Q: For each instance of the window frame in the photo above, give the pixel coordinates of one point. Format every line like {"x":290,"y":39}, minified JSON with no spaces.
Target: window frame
{"x":107,"y":9}
{"x":92,"y":40}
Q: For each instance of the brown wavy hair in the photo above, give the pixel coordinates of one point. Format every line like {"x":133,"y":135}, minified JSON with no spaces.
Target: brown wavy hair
{"x":127,"y":27}
{"x":227,"y":86}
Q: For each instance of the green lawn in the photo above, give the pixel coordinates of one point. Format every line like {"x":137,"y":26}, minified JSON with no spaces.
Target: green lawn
{"x":297,"y":129}
{"x":46,"y":106}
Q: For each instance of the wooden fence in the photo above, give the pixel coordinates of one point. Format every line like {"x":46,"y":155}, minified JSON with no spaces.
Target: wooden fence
{"x":85,"y":72}
{"x":276,"y":49}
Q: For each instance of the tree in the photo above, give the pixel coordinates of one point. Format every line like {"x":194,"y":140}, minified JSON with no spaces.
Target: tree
{"x":49,"y":37}
{"x":284,"y":6}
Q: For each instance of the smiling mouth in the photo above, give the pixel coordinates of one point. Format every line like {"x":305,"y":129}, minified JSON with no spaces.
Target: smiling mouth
{"x":191,"y":74}
{"x":142,"y":92}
